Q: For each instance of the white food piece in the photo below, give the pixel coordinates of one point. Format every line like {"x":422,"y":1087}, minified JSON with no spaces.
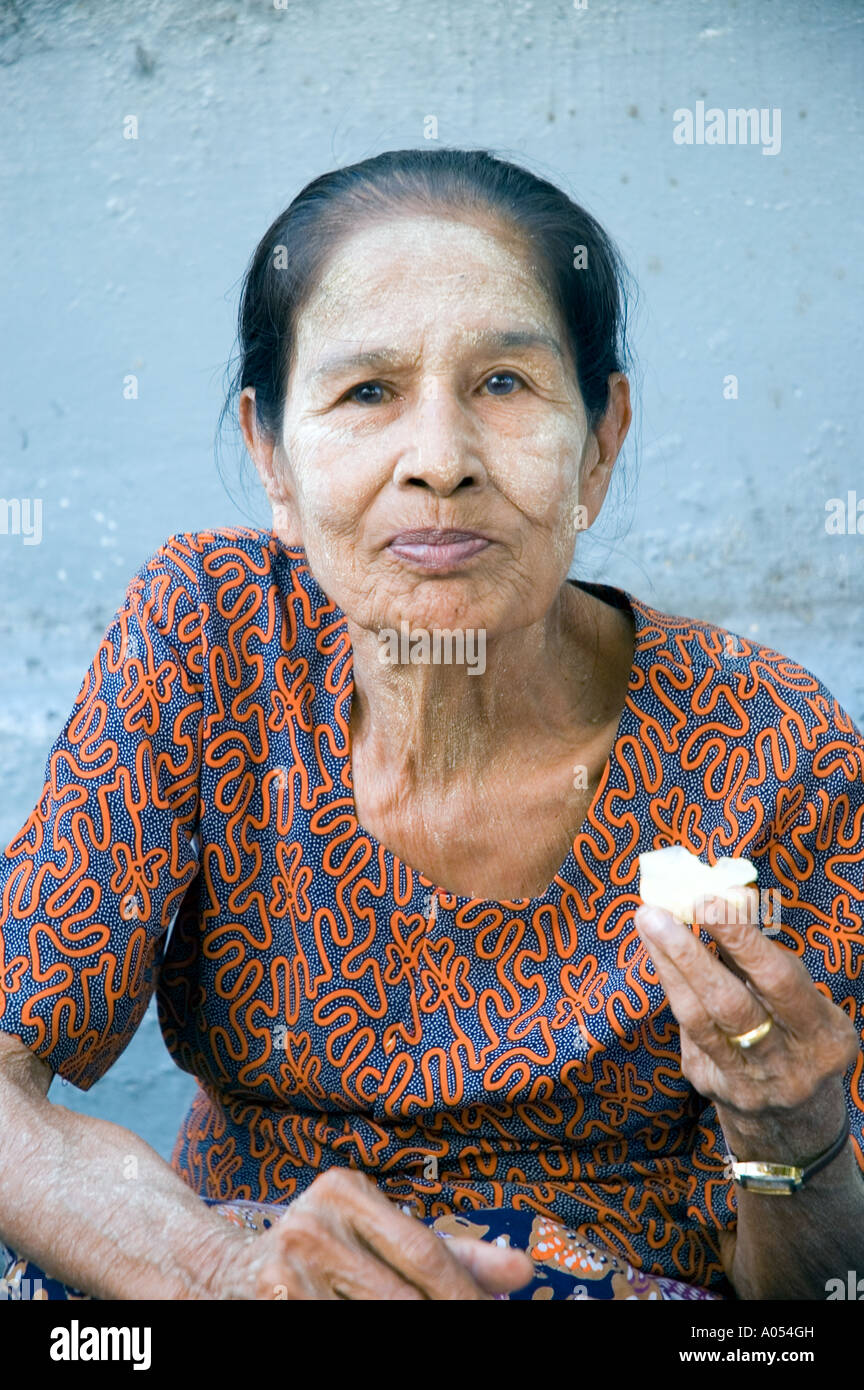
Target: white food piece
{"x":674,"y":879}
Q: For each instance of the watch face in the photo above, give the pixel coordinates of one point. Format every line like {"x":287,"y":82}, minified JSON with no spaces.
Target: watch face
{"x":770,"y":1184}
{"x":768,"y":1177}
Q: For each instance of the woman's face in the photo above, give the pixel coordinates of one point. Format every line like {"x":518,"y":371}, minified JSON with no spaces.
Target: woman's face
{"x":432,"y":391}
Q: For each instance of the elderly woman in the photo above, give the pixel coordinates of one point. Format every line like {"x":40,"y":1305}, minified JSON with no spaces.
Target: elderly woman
{"x":391,"y":904}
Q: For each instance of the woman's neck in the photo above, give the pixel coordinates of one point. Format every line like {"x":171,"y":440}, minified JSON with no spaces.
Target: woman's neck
{"x":555,"y":682}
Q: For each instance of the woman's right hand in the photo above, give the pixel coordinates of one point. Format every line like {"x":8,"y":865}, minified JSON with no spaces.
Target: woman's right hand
{"x":344,"y":1239}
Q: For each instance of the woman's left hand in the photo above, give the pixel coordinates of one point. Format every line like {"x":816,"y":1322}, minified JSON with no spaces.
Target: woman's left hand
{"x":782,"y":1092}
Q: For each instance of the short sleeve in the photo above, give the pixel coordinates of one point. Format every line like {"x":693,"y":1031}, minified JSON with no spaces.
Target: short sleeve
{"x":810,"y":853}
{"x":92,"y":881}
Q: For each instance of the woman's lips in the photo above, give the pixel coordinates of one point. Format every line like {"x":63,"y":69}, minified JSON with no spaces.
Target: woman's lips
{"x":437,"y":550}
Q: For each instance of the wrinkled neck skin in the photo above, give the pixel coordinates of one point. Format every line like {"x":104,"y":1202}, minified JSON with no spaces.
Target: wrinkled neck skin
{"x":427,"y":723}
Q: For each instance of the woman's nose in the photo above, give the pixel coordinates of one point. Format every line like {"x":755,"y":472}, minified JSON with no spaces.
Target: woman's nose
{"x":442,"y":450}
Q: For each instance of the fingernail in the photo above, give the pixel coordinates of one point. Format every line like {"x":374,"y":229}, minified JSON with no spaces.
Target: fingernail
{"x":654,"y":920}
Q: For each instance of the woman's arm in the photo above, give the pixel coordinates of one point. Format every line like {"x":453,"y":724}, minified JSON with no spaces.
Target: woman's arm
{"x":97,"y":1208}
{"x":89,"y":1201}
{"x":790,"y":1246}
{"x":782,"y":1100}
{"x":94,"y":1205}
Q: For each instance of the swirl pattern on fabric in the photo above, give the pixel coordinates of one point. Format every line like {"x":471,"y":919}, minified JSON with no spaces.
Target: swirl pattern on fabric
{"x":196,"y":834}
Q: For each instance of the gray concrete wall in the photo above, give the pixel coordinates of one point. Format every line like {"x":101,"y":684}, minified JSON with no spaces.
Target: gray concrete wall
{"x":123,"y":256}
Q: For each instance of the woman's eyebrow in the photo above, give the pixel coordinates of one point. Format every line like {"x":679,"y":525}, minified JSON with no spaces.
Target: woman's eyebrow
{"x":493,"y":339}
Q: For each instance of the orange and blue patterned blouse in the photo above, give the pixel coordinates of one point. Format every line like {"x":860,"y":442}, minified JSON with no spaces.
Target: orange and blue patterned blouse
{"x":196,"y":834}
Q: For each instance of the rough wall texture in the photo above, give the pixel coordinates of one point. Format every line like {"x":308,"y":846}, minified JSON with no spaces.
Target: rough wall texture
{"x":123,"y":256}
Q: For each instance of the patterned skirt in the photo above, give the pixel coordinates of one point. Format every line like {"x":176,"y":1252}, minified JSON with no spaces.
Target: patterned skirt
{"x":566,"y":1266}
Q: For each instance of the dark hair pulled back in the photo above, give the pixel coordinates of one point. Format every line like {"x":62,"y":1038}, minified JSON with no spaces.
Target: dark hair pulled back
{"x":577,"y":263}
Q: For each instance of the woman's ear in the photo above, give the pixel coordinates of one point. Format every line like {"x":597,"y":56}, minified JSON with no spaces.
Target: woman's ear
{"x":273,"y":470}
{"x":603,"y":445}
{"x":260,"y":446}
{"x":611,"y":431}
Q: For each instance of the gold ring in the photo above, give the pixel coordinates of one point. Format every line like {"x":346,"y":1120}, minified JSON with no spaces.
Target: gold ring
{"x":754,"y":1035}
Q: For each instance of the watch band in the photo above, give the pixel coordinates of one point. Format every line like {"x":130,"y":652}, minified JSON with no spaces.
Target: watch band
{"x":785,"y":1178}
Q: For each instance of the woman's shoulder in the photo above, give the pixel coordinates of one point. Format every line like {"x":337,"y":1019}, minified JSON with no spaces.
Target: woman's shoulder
{"x":741,"y":686}
{"x":196,"y":555}
{"x":225,"y":581}
{"x":207,"y":566}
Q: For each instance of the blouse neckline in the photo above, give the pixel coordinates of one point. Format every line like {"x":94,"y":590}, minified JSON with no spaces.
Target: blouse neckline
{"x":565,"y":876}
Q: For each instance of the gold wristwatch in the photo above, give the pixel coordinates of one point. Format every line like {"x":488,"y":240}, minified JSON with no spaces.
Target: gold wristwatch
{"x":785,"y":1178}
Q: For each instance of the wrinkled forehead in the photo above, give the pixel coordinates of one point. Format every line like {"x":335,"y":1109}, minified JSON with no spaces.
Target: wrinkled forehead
{"x":422,"y":274}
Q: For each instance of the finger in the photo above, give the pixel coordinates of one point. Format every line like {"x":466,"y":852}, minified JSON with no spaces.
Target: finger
{"x":422,"y":1259}
{"x":333,"y":1270}
{"x":779,"y":979}
{"x":499,"y":1269}
{"x":317,"y":1256}
{"x":705,"y":997}
{"x":713,"y":907}
{"x":351,"y":1202}
{"x":410,"y":1249}
{"x":362,"y":1278}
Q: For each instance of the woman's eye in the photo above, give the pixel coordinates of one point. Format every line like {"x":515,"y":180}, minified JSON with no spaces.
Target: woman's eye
{"x":367,"y":387}
{"x":372,"y":392}
{"x":503,"y":383}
